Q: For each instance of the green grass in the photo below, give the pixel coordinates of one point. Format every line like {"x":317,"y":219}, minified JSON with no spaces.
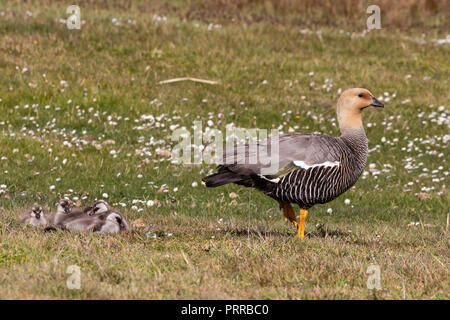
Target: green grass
{"x":198,"y":243}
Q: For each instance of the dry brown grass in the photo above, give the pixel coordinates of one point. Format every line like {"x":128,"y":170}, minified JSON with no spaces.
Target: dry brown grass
{"x":402,"y":14}
{"x":405,"y":14}
{"x":232,"y":260}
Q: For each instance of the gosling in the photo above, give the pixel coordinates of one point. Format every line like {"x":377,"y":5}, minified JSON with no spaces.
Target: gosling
{"x":35,"y":216}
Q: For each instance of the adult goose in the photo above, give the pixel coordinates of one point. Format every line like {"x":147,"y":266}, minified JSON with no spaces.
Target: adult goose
{"x":308,"y":168}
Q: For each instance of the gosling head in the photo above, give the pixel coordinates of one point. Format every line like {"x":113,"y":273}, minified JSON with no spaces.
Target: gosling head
{"x":117,"y":217}
{"x":36,"y":211}
{"x":64,"y":206}
{"x":97,"y":207}
{"x":350,"y":104}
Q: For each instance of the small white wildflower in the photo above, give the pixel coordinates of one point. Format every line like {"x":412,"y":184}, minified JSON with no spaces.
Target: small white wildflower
{"x":347,"y":201}
{"x":446,"y":138}
{"x":52,"y":187}
{"x":105,"y":195}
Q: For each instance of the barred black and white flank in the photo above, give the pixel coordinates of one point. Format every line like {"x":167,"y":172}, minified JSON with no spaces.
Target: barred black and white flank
{"x":311,"y":168}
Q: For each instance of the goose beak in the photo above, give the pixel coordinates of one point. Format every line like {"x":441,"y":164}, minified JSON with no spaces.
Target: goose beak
{"x":376,"y":103}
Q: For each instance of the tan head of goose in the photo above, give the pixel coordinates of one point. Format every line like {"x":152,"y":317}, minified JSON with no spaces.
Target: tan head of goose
{"x":35,"y":216}
{"x":349,"y":107}
{"x":308,"y":168}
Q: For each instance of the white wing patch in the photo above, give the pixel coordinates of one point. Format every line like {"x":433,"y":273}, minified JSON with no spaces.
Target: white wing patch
{"x":304,"y":165}
{"x":276,"y":180}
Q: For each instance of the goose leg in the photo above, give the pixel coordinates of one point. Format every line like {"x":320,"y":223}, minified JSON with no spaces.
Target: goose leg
{"x":288,"y":213}
{"x":291,"y":215}
{"x":301,"y":227}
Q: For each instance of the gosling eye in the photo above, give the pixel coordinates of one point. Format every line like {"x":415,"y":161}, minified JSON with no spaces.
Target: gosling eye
{"x":361,"y":95}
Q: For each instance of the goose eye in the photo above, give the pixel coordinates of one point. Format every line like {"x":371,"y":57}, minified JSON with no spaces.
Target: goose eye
{"x":361,"y":95}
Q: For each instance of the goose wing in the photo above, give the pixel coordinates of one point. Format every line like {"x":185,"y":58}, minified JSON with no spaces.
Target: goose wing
{"x":24,"y":217}
{"x":275,"y":158}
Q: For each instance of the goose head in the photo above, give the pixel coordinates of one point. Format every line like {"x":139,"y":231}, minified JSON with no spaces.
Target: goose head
{"x":97,"y":207}
{"x":36,"y":211}
{"x":64,"y":206}
{"x":350,"y":104}
{"x":117,"y":217}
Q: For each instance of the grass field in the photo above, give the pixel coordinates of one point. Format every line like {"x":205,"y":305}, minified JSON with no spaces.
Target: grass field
{"x":83,"y":116}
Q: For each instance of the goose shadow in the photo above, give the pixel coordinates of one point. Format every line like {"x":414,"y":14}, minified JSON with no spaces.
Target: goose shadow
{"x":324,"y":232}
{"x":245,"y":232}
{"x":320,"y":232}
